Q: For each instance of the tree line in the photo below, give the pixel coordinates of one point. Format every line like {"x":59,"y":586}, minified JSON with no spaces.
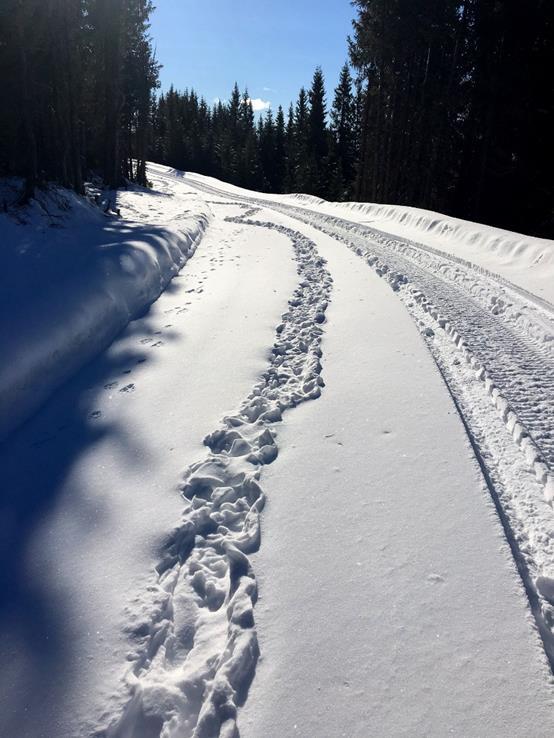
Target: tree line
{"x":443,"y":104}
{"x":459,"y":107}
{"x":304,"y":150}
{"x":451,"y":108}
{"x":77,"y":80}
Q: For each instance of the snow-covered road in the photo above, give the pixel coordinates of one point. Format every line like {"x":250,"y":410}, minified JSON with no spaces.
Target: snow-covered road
{"x":405,"y":560}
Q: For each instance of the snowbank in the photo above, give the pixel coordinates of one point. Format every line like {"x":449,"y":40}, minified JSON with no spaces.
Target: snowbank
{"x":526,"y":261}
{"x":72,"y":279}
{"x":528,"y":250}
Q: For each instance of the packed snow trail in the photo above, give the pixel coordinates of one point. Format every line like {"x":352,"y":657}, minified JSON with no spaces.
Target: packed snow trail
{"x":89,"y":485}
{"x":475,"y":320}
{"x":197,"y":647}
{"x":390,"y":604}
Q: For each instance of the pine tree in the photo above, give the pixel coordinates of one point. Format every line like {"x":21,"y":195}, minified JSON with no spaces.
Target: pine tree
{"x":300,"y":165}
{"x":280,"y":166}
{"x":343,"y":137}
{"x":317,"y":141}
{"x":290,"y":151}
{"x":268,"y":151}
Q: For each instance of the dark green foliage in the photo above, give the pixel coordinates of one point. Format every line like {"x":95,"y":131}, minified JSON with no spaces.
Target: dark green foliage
{"x":273,"y":155}
{"x":77,"y":77}
{"x":317,"y":137}
{"x":344,"y":138}
{"x":458,"y":107}
{"x":452,"y":109}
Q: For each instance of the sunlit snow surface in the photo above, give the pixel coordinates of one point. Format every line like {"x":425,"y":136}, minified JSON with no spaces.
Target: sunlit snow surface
{"x":149,"y":592}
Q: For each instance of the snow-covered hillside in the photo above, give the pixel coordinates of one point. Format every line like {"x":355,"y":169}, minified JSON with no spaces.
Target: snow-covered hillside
{"x":308,"y":492}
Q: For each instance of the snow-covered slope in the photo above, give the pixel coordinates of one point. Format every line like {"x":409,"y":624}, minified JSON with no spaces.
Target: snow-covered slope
{"x":71,"y":280}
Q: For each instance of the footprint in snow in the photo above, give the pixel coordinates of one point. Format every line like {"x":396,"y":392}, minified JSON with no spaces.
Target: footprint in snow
{"x":128,"y":388}
{"x":158,"y":343}
{"x":111,"y":385}
{"x":435,"y":578}
{"x":95,"y":414}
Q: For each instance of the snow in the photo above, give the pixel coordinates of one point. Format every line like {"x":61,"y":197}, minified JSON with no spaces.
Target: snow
{"x":72,"y":279}
{"x":388,"y":603}
{"x":286,"y":499}
{"x":526,"y":261}
{"x":90,"y":481}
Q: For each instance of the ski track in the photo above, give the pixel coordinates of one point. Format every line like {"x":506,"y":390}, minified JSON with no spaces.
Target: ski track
{"x":494,"y":345}
{"x":195,"y":641}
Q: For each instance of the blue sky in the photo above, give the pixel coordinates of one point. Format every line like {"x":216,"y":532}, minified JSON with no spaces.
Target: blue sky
{"x":272,"y":46}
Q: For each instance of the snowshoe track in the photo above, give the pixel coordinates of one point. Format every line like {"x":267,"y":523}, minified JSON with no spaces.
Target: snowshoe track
{"x":195,"y":643}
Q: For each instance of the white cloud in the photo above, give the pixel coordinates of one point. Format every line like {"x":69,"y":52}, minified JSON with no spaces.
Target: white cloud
{"x":259,"y":104}
{"x":268,"y":89}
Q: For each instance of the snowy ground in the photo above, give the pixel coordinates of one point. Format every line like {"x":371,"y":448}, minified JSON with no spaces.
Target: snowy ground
{"x":401,"y":440}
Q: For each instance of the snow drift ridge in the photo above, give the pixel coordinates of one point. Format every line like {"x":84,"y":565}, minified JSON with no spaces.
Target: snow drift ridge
{"x":70,"y":321}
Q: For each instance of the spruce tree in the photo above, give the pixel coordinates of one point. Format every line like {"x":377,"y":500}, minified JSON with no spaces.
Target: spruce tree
{"x":317,"y":141}
{"x":343,"y":137}
{"x":300,"y":165}
{"x":290,"y":151}
{"x":280,"y":166}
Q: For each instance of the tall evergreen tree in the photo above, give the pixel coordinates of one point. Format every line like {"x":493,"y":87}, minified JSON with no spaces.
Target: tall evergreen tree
{"x":300,"y":166}
{"x":268,"y":151}
{"x":79,"y":75}
{"x":280,"y":164}
{"x":317,"y":139}
{"x":290,"y":151}
{"x":343,"y":137}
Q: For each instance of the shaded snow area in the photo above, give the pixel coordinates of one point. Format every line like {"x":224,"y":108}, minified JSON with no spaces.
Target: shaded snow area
{"x":72,"y":277}
{"x":307,"y":492}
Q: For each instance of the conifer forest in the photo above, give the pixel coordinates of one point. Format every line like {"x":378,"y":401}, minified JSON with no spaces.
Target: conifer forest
{"x":442,"y":104}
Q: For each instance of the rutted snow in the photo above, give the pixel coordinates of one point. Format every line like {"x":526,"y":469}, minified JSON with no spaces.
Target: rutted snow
{"x":524,"y":260}
{"x":197,"y":646}
{"x":89,"y":483}
{"x":389,"y":606}
{"x":370,"y":555}
{"x":505,"y":335}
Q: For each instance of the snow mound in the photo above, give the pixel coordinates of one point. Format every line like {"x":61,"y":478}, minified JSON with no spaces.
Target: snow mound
{"x":72,"y":279}
{"x":452,"y":235}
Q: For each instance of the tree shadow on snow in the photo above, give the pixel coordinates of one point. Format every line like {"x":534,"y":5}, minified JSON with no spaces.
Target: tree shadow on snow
{"x":39,"y":658}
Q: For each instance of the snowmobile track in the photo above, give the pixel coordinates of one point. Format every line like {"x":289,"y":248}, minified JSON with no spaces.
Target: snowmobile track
{"x":494,"y":345}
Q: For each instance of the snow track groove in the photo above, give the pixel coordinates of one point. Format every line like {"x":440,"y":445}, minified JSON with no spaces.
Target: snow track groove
{"x":494,"y":345}
{"x":196,"y":644}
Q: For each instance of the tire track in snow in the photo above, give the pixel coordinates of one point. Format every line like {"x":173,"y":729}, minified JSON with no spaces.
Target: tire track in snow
{"x":494,"y":345}
{"x":196,"y":643}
